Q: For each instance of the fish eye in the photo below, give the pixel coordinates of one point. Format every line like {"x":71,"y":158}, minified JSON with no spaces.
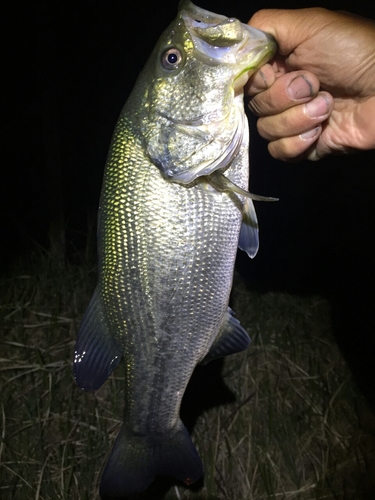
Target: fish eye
{"x":171,"y":59}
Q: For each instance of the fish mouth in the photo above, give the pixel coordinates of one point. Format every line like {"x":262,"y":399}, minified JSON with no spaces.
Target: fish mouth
{"x":221,"y":40}
{"x":185,"y":149}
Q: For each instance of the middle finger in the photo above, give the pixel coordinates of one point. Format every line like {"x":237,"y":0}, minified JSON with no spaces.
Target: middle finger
{"x":296,"y":120}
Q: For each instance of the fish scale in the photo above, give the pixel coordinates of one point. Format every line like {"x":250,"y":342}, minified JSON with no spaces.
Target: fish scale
{"x":173,"y":208}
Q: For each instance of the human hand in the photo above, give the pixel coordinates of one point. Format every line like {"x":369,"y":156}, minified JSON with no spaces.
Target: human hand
{"x":318,"y":94}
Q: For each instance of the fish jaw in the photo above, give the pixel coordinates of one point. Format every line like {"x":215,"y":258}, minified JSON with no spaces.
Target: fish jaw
{"x":188,"y":139}
{"x":221,"y":40}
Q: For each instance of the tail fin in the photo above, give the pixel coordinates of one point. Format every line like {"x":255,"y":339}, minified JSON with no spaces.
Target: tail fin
{"x":136,"y":461}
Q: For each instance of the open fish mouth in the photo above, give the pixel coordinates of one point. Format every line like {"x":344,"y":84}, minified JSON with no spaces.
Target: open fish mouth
{"x":221,"y":40}
{"x":185,"y":149}
{"x":205,"y":135}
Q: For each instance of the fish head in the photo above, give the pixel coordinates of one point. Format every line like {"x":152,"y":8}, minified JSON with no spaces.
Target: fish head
{"x":192,"y":118}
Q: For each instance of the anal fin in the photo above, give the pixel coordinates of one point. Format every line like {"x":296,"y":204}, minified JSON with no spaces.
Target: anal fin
{"x":231,"y":339}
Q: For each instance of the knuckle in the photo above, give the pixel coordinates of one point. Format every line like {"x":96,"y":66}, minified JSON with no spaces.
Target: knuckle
{"x":263,"y":104}
{"x":288,"y":149}
{"x":285,"y":122}
{"x":259,"y":17}
{"x":256,"y":105}
{"x":264,"y":129}
{"x":280,"y":150}
{"x":275,"y":127}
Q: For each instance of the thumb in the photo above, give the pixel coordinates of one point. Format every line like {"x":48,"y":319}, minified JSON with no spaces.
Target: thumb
{"x":289,"y":27}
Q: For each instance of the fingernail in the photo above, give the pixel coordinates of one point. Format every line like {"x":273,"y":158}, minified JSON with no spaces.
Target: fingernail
{"x":310,"y":134}
{"x":259,"y":82}
{"x":317,"y":107}
{"x":300,"y":88}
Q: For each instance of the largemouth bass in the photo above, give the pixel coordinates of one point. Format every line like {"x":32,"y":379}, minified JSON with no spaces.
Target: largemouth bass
{"x":174,"y":199}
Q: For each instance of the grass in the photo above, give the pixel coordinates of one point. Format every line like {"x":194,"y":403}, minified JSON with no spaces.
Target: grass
{"x":295,"y":427}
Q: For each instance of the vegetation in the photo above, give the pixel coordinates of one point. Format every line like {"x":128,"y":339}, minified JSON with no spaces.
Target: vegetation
{"x":293,"y":427}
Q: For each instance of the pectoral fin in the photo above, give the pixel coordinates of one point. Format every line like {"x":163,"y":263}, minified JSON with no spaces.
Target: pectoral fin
{"x":249,"y":237}
{"x":96,"y":354}
{"x":231,"y":339}
{"x":224,"y":185}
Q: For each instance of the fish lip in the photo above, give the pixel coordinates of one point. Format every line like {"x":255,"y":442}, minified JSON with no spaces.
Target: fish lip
{"x":257,"y":58}
{"x":219,"y":39}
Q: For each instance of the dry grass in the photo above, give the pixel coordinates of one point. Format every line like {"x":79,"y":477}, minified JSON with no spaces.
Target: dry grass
{"x":298,"y":429}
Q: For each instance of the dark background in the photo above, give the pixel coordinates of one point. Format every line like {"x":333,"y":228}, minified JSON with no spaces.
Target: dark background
{"x":69,"y":67}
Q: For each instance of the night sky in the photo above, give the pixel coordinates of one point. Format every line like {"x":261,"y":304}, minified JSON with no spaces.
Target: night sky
{"x":69,"y":67}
